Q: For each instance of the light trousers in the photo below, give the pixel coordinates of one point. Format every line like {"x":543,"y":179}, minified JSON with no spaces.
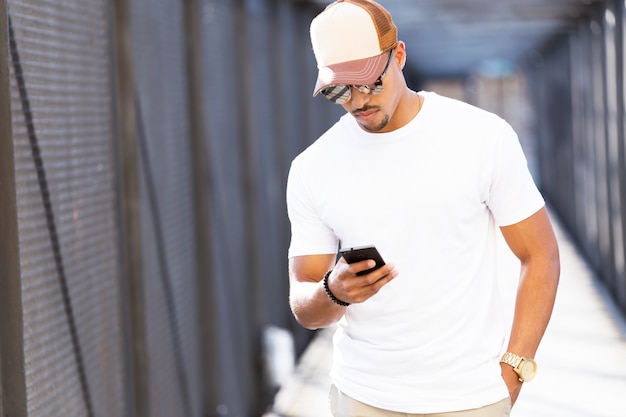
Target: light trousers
{"x":343,"y":406}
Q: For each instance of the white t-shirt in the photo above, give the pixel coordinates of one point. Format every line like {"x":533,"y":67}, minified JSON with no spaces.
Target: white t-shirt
{"x":430,"y":196}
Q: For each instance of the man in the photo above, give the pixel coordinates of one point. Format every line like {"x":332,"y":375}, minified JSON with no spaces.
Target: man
{"x":430,"y":181}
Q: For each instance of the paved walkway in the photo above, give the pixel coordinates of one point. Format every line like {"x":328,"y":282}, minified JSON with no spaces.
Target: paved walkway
{"x":582,"y":358}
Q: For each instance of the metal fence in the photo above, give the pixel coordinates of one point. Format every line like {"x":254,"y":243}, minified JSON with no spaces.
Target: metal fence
{"x":578,"y":90}
{"x":144,"y":152}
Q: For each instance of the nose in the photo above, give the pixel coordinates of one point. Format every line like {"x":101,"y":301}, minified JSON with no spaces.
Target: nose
{"x":359,"y":99}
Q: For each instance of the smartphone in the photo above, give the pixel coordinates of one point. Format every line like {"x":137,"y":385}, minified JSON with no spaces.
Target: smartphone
{"x":362,"y":253}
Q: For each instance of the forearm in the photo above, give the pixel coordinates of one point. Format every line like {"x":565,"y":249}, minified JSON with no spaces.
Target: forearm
{"x":311,"y":306}
{"x":534,"y":243}
{"x":534,"y":304}
{"x":533,"y":308}
{"x":309,"y":303}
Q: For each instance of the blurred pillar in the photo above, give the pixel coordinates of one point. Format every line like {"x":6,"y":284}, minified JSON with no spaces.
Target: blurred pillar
{"x":12,"y":372}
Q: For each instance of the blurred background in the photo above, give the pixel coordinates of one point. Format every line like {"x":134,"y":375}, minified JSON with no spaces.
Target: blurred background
{"x":143,"y":160}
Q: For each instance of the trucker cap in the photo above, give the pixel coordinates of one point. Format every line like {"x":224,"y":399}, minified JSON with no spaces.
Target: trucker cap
{"x":350,"y":40}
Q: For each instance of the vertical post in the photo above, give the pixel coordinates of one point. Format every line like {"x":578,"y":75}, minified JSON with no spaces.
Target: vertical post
{"x":133,"y":305}
{"x":12,"y":376}
{"x":621,"y":111}
{"x":193,"y":39}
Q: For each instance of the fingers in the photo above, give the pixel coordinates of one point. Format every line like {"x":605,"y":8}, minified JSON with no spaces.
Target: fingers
{"x":359,"y":288}
{"x":511,"y":379}
{"x":358,"y":268}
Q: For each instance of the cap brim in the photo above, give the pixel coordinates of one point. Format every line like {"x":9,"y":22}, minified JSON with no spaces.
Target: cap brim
{"x":360,"y":72}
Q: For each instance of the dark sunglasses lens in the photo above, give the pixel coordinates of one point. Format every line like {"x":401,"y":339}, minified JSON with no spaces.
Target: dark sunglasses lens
{"x":338,"y":94}
{"x":378,"y":87}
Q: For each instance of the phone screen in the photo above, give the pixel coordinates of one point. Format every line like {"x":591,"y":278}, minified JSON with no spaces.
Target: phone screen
{"x":362,"y":253}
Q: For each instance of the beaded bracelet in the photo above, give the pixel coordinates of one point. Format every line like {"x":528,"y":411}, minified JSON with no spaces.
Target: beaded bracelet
{"x":330,"y":294}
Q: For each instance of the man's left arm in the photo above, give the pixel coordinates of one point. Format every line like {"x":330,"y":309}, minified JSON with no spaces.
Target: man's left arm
{"x":533,"y":242}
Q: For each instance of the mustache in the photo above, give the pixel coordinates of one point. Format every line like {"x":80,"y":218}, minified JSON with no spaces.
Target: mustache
{"x":364,"y":109}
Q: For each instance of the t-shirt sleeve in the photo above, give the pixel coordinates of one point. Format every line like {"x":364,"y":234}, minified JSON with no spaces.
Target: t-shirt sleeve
{"x":309,"y":234}
{"x":513,"y":195}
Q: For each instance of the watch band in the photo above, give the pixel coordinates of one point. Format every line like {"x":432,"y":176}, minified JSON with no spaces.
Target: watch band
{"x":511,"y":359}
{"x":525,"y":368}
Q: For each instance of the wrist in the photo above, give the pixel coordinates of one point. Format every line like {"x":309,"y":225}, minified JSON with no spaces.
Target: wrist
{"x":329,"y":292}
{"x":524,"y":368}
{"x":508,"y":373}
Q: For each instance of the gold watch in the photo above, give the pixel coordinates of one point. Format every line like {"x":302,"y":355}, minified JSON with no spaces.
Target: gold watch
{"x":525,"y":368}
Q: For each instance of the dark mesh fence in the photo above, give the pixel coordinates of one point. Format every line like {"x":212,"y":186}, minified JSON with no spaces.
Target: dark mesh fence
{"x":61,"y":123}
{"x":231,"y":367}
{"x":145,"y":229}
{"x":578,"y":87}
{"x":166,"y":208}
{"x":258,"y":113}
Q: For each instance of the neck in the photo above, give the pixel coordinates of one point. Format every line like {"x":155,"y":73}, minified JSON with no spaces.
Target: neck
{"x":416,"y":102}
{"x":410,"y":105}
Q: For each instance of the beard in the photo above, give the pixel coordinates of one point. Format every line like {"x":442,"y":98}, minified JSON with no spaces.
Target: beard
{"x":374,"y":126}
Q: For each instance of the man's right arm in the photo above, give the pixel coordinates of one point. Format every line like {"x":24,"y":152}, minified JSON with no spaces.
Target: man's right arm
{"x":310,"y":304}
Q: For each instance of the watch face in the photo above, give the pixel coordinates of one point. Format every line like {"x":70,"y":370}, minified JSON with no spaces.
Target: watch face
{"x":528,"y":369}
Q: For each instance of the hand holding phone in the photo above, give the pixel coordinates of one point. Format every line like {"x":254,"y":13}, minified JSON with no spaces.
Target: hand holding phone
{"x":362,"y":253}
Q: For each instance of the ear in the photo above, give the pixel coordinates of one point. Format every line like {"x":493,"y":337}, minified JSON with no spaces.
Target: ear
{"x":400,"y":54}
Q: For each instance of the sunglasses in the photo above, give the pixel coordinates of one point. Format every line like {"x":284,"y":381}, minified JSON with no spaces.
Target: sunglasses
{"x":341,"y":93}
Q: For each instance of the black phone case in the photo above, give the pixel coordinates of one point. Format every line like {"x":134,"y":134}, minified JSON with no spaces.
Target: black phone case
{"x":361,"y":253}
